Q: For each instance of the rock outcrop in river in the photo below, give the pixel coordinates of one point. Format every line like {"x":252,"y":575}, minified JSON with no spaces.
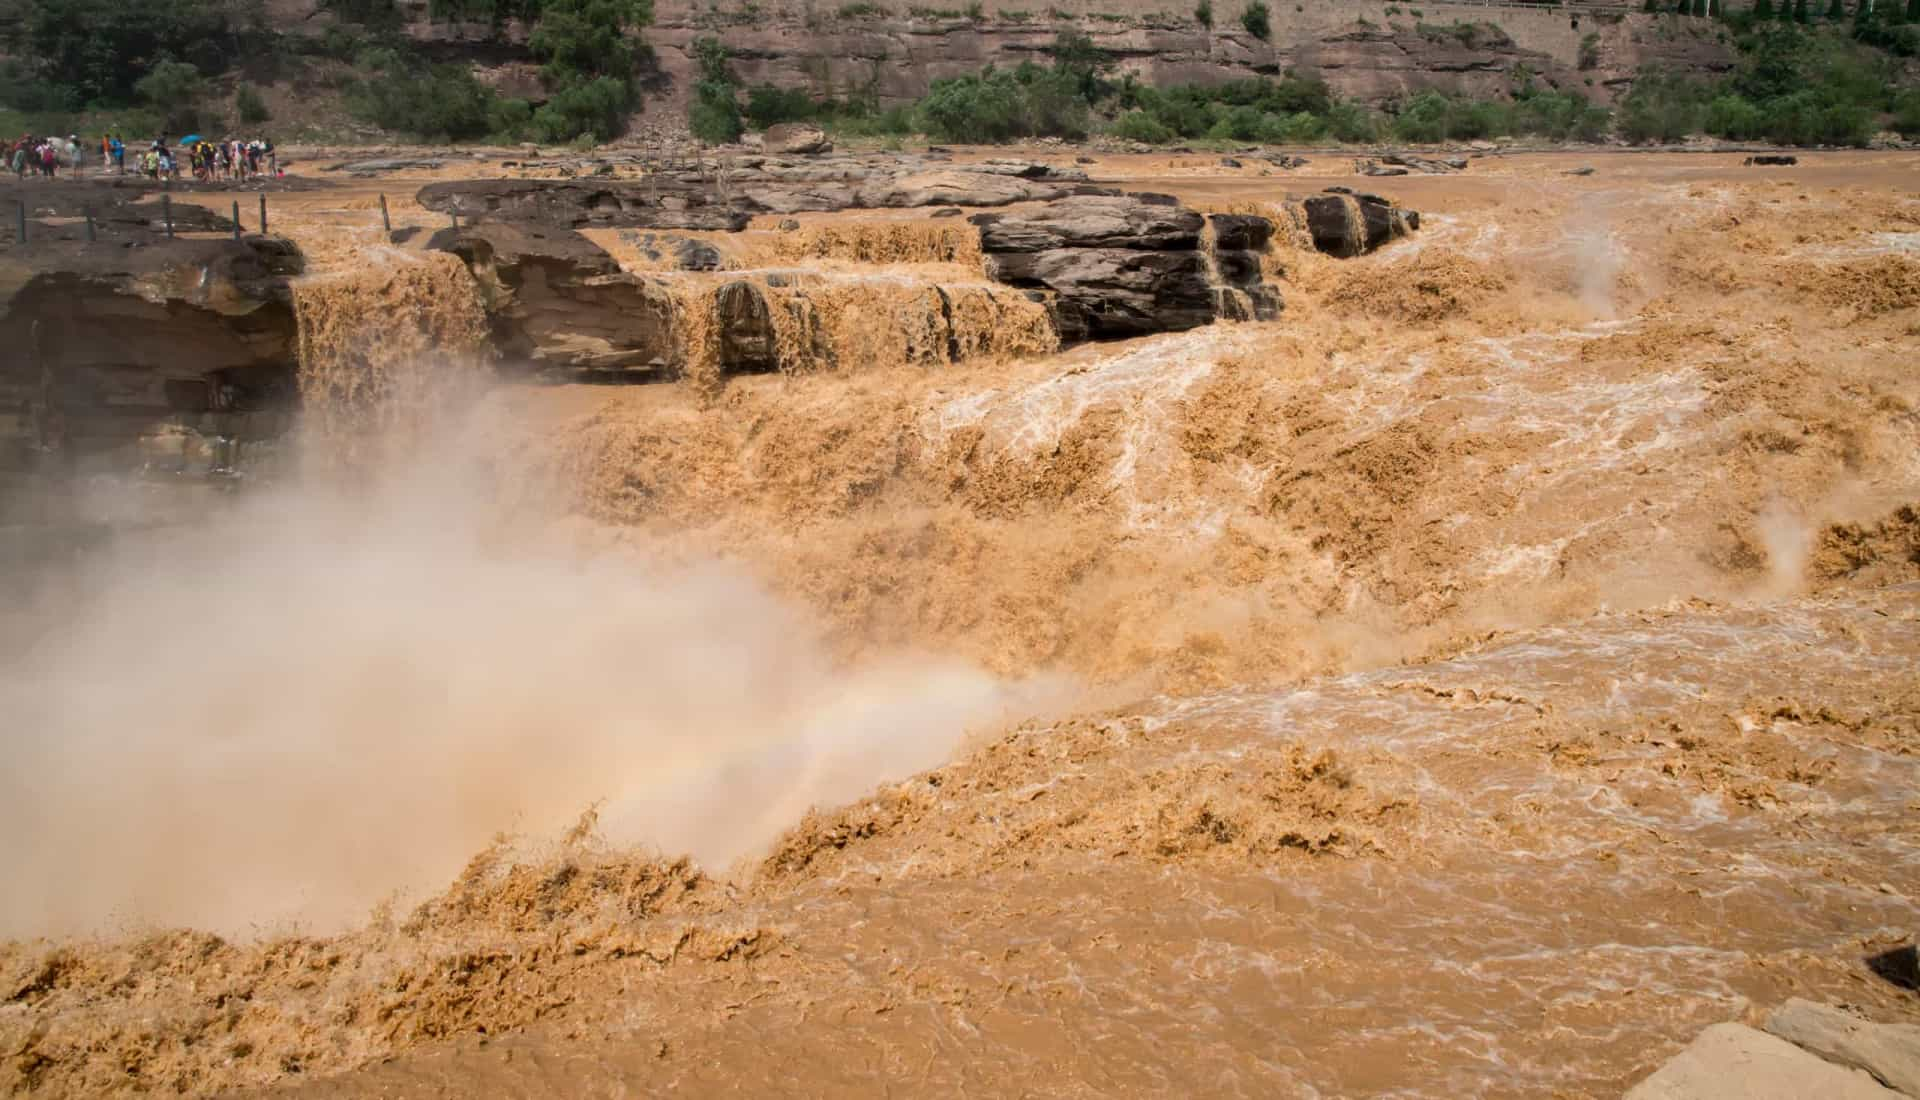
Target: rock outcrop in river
{"x":1104,"y":265}
{"x":107,"y":339}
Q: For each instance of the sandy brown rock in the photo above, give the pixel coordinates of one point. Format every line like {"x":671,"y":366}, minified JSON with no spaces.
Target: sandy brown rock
{"x":1735,"y":1062}
{"x":555,"y":299}
{"x":1890,"y":1052}
{"x":793,"y":138}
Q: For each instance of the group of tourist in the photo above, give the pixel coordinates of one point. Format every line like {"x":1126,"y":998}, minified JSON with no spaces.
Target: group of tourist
{"x":207,"y":160}
{"x":39,"y":156}
{"x":233,"y":160}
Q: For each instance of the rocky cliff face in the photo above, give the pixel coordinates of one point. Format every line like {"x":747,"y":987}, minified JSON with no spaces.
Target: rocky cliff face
{"x":1372,"y":51}
{"x":136,"y":353}
{"x":1128,"y":265}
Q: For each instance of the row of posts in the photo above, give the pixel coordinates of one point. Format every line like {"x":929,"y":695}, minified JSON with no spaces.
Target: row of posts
{"x":166,"y":218}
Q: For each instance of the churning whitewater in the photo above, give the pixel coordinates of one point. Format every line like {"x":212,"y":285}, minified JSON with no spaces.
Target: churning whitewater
{"x":1474,"y":680}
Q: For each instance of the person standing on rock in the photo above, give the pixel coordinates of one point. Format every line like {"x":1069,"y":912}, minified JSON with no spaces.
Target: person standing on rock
{"x":119,"y":149}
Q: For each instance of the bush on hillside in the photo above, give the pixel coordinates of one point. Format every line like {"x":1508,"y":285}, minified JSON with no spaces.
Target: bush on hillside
{"x":441,"y":102}
{"x":595,"y":109}
{"x":1257,"y":20}
{"x":1140,"y":126}
{"x":249,"y":106}
{"x":1000,"y":104}
{"x":174,"y":89}
{"x":1906,"y":113}
{"x":96,"y":51}
{"x":770,"y":106}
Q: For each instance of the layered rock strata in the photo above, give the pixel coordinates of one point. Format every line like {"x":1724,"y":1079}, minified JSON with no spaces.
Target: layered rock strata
{"x":114,"y":347}
{"x":1116,"y":266}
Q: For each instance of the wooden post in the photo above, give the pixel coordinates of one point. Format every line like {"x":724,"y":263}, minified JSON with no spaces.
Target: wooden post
{"x":456,"y":219}
{"x":20,"y":221}
{"x":166,"y":213}
{"x":236,"y":219}
{"x":386,"y":220}
{"x":89,"y":212}
{"x":263,"y":212}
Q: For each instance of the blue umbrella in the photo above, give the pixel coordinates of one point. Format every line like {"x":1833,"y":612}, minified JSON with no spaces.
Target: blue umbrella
{"x":190,"y":139}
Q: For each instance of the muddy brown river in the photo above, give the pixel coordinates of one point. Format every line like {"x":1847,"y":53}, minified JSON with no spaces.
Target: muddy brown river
{"x":1473,"y":683}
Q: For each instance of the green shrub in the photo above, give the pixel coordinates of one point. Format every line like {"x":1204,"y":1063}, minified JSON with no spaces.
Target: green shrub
{"x":174,"y":89}
{"x":1661,"y":107}
{"x":1298,"y":128}
{"x":1351,"y":122}
{"x":595,"y":109}
{"x":435,"y":102}
{"x":1589,"y":52}
{"x":862,"y":9}
{"x":1203,"y":13}
{"x":1734,"y":116}
{"x":770,"y":106}
{"x":249,"y":106}
{"x":1906,"y":113}
{"x":1141,"y":126}
{"x":90,"y":52}
{"x":1564,"y":116}
{"x":1257,"y":20}
{"x":1467,"y":34}
{"x":1238,"y":124}
{"x":713,"y":114}
{"x":996,"y":105}
{"x":509,"y":119}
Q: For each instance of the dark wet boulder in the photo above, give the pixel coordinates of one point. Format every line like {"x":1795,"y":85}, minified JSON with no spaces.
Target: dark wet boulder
{"x":1241,"y":231}
{"x":1347,"y":225}
{"x":747,"y":340}
{"x":1127,"y":265}
{"x":674,"y":252}
{"x":1102,"y":293}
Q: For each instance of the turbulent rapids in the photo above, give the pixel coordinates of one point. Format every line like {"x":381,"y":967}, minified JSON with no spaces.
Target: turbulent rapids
{"x":1243,"y":641}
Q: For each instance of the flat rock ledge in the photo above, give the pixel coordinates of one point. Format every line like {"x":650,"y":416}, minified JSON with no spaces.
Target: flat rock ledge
{"x":1806,"y":1050}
